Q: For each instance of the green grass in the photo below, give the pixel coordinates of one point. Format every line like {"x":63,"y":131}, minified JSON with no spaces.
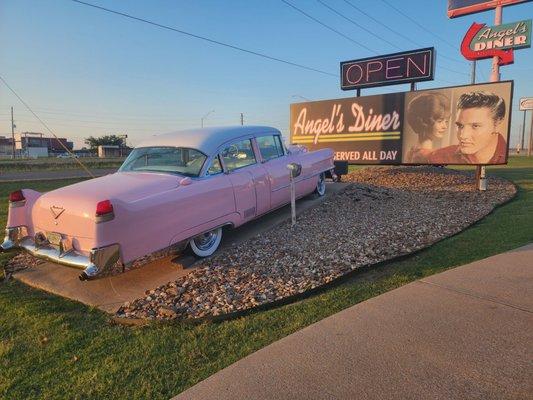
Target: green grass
{"x":161,"y":360}
{"x":57,"y":164}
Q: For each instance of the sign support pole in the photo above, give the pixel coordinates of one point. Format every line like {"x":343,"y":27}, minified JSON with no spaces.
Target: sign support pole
{"x":530,"y":135}
{"x":494,"y":77}
{"x":523,"y":132}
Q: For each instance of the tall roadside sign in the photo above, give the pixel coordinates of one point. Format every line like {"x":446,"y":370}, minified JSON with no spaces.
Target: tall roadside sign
{"x":526,"y":103}
{"x":497,"y":42}
{"x":458,"y":8}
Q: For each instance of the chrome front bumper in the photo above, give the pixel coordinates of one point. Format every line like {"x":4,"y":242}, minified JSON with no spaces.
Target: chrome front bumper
{"x":99,"y":261}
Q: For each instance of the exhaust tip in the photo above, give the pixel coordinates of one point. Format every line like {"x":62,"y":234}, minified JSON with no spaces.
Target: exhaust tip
{"x":83,"y":276}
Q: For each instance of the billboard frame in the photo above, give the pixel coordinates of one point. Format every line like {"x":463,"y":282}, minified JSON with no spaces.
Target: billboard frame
{"x":481,"y":6}
{"x":432,"y":89}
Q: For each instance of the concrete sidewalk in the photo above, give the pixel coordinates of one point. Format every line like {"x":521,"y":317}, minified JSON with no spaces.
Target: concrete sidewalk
{"x":466,"y":333}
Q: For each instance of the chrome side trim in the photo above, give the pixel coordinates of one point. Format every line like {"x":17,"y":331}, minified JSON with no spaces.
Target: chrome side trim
{"x":104,"y":218}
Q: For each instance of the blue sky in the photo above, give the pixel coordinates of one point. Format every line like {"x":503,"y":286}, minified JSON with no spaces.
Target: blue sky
{"x":87,"y":72}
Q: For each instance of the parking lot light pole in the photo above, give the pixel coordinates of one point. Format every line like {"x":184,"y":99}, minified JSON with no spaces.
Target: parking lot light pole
{"x":204,"y":117}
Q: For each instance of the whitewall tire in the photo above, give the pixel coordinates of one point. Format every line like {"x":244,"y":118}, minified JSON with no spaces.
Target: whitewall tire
{"x":320,"y":189}
{"x":207,"y":243}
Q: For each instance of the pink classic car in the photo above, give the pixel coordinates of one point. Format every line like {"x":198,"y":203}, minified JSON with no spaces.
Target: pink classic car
{"x":173,"y":190}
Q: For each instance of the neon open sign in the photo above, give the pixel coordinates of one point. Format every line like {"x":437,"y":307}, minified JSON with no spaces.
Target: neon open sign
{"x":390,"y":69}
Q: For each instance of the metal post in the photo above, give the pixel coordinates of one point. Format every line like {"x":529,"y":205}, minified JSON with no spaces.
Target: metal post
{"x":12,"y":134}
{"x":358,"y":92}
{"x":494,"y":77}
{"x":473,"y":73}
{"x":294,"y":171}
{"x":242,"y":119}
{"x":523,"y":132}
{"x":413,"y":86}
{"x":530,"y":136}
{"x":293,"y":200}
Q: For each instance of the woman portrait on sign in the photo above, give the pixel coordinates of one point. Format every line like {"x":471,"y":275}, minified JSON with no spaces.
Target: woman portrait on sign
{"x":428,"y":114}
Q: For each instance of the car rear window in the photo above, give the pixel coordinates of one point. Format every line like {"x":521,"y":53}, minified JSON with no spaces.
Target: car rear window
{"x":177,"y":160}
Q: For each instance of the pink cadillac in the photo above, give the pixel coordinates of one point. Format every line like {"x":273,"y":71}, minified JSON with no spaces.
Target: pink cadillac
{"x":173,"y":190}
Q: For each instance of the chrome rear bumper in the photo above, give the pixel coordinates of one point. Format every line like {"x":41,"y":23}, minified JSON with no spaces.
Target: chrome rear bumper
{"x":99,"y":261}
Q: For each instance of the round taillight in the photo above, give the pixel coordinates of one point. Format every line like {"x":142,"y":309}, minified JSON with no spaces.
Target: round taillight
{"x":104,"y":207}
{"x":16,"y":196}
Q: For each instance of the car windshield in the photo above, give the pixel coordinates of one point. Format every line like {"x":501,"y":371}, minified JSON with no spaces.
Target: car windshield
{"x":173,"y":160}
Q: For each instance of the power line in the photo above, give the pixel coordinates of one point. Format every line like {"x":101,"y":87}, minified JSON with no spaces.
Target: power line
{"x":130,"y":119}
{"x":386,"y":41}
{"x":255,"y":53}
{"x":325,"y":26}
{"x":357,"y":24}
{"x":419,"y":25}
{"x":46,"y":126}
{"x":377,"y":21}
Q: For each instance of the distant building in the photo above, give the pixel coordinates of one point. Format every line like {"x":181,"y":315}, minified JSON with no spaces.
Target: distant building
{"x":37,"y":139}
{"x":6,"y":146}
{"x":106,"y":151}
{"x":109,"y":151}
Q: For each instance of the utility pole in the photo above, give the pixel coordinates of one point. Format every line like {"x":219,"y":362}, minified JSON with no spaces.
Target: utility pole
{"x":12,"y":134}
{"x":242,"y":119}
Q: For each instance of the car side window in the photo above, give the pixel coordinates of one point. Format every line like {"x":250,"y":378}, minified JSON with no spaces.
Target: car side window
{"x":269,"y":147}
{"x":215,"y":167}
{"x":238,"y":155}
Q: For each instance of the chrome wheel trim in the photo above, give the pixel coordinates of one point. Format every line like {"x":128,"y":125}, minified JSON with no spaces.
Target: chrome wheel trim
{"x":321,"y":185}
{"x":207,"y":243}
{"x":206,"y":240}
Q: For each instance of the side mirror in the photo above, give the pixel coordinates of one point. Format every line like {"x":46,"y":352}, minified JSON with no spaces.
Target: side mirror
{"x":294,"y":169}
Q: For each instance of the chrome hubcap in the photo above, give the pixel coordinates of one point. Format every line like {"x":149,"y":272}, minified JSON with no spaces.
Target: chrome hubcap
{"x":206,"y":240}
{"x":321,"y":185}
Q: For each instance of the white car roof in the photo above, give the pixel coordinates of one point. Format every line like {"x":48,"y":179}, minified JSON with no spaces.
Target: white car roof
{"x":207,"y":140}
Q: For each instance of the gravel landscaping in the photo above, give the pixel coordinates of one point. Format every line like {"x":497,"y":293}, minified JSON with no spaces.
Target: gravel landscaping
{"x":384,"y":213}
